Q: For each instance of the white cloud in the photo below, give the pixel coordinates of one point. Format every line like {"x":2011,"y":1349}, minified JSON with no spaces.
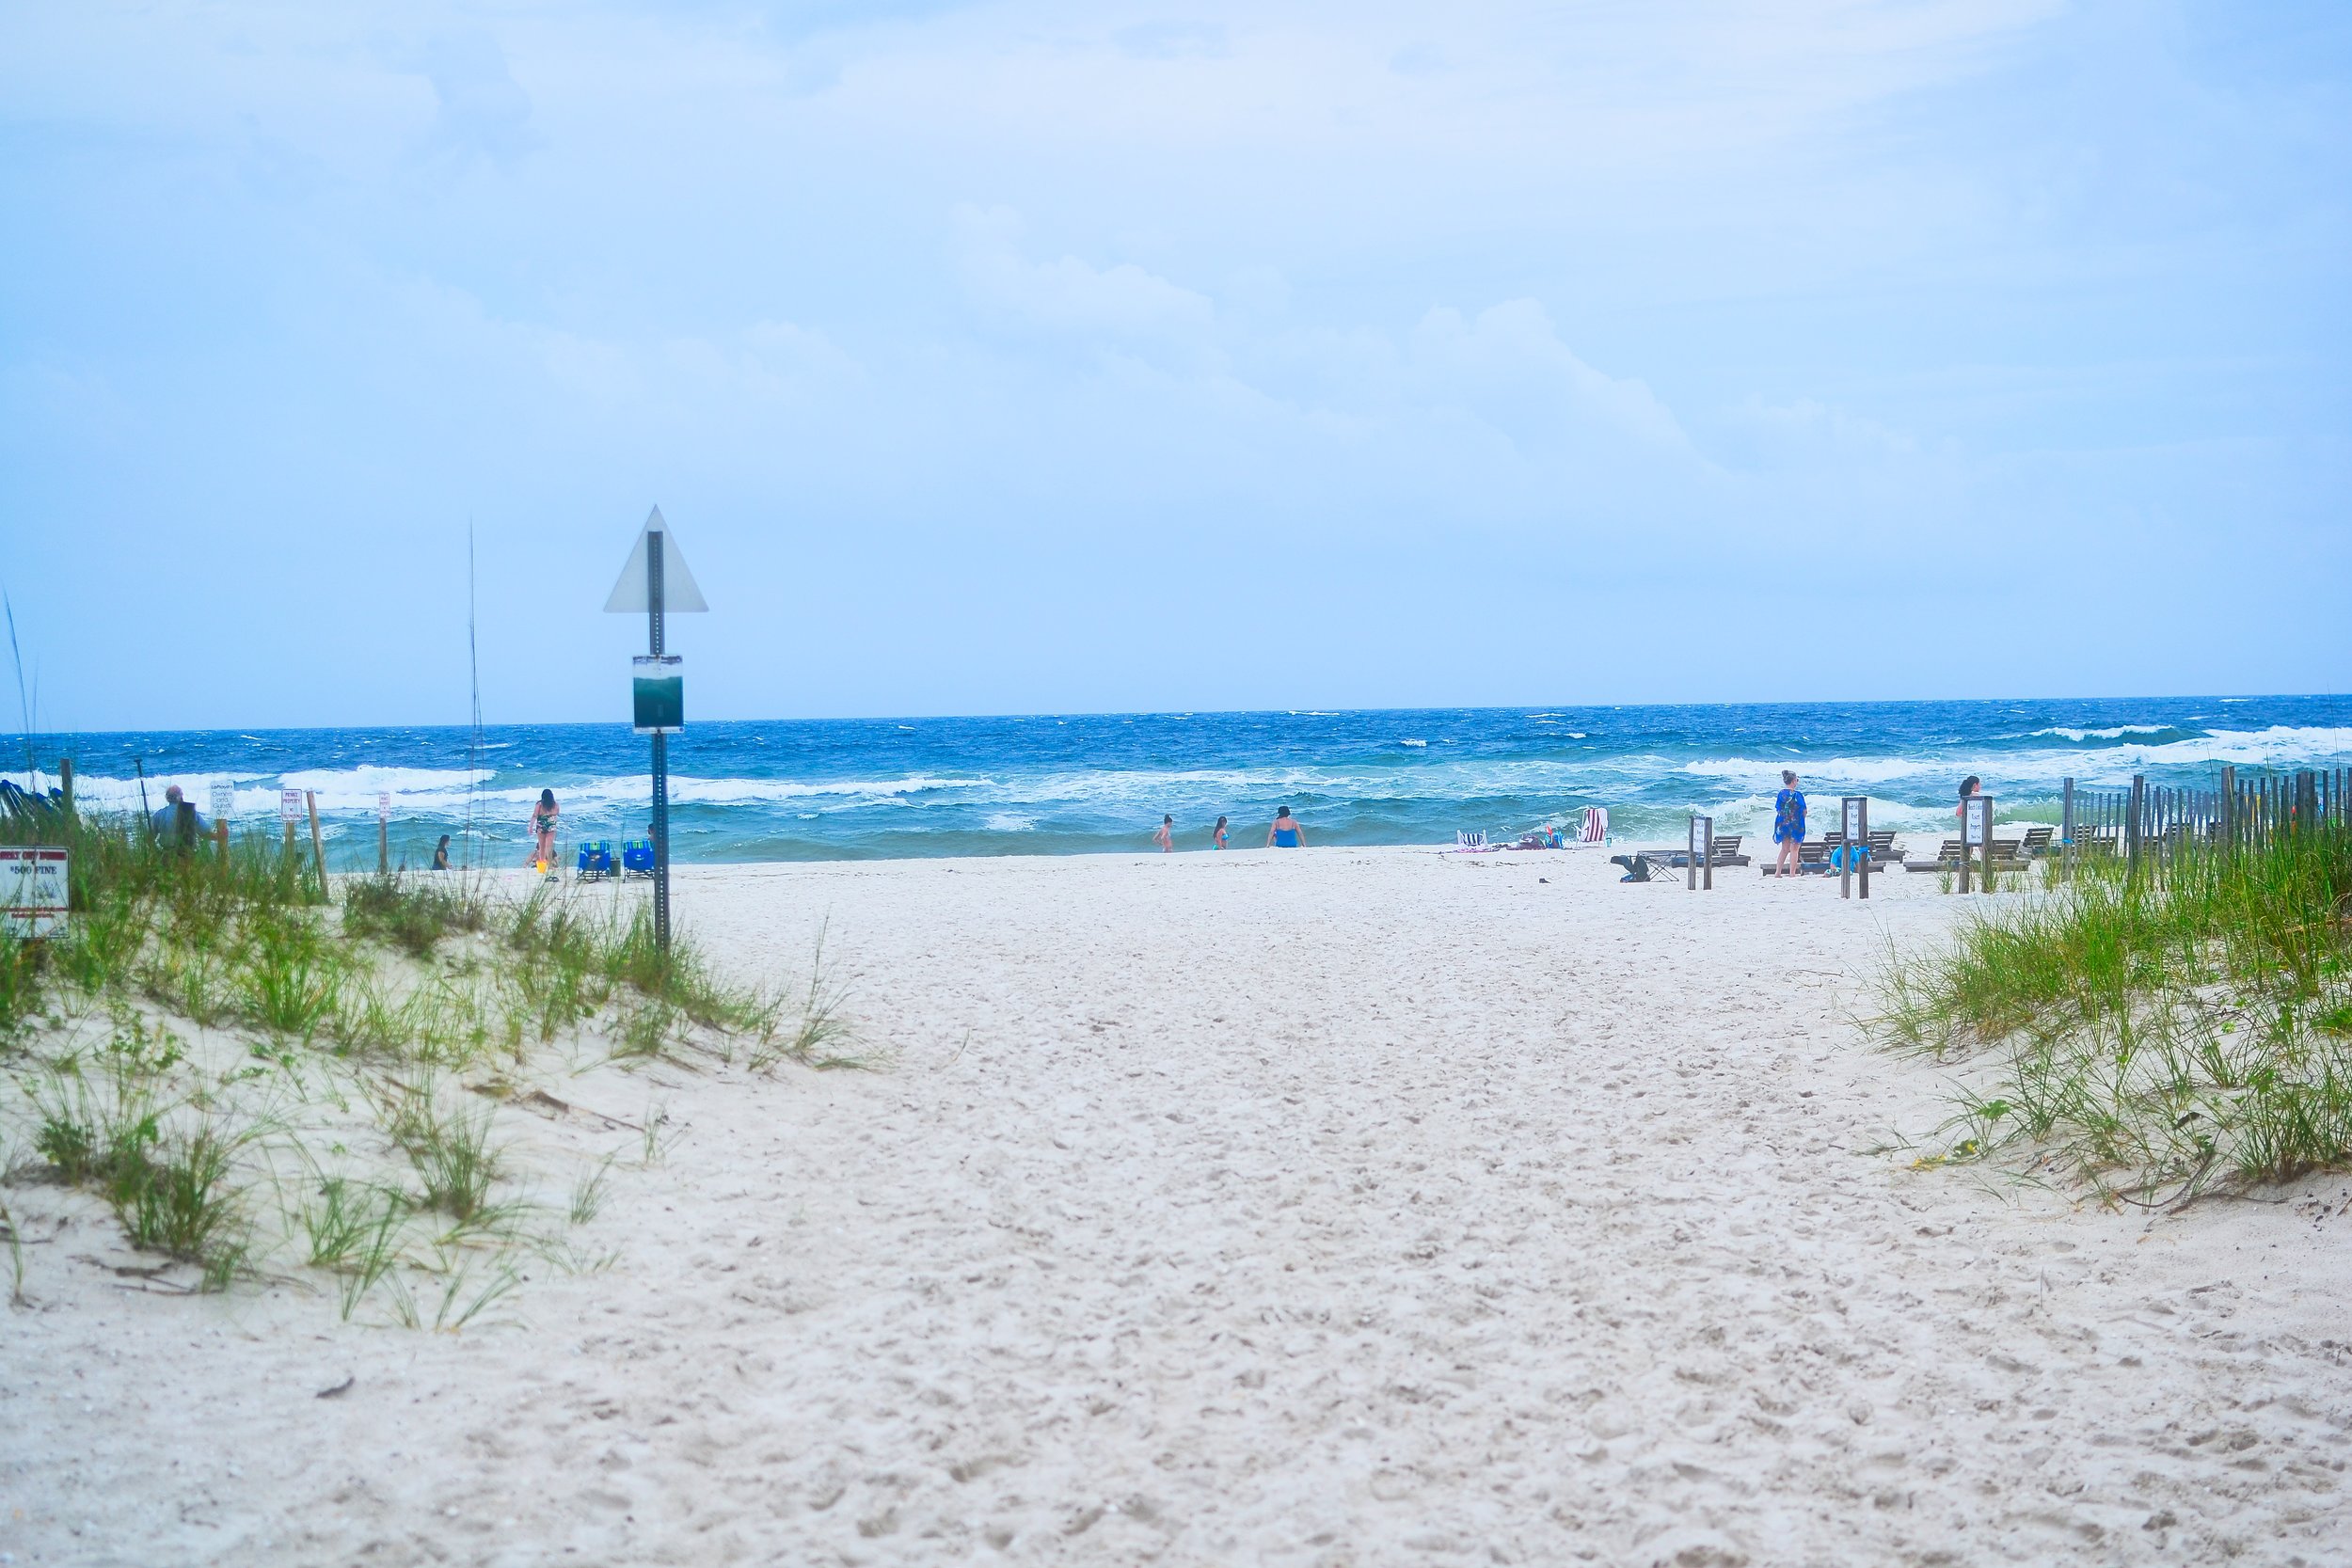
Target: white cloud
{"x":1122,"y":301}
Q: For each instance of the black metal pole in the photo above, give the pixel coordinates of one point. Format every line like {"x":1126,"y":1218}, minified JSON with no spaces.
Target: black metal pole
{"x":660,"y":755}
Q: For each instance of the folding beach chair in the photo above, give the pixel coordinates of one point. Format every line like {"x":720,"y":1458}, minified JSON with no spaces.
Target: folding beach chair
{"x":1596,"y":826}
{"x":636,"y":858}
{"x":595,"y":861}
{"x":1469,"y":843}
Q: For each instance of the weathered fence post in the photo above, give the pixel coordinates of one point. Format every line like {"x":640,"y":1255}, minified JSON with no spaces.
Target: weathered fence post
{"x":2132,"y":811}
{"x":2066,"y":826}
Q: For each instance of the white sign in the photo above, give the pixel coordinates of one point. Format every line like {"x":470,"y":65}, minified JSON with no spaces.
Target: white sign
{"x":32,"y":891}
{"x":224,"y":802}
{"x":1702,"y":835}
{"x":634,"y":591}
{"x":1977,"y":824}
{"x":289,"y":805}
{"x":383,"y":806}
{"x":1853,"y":821}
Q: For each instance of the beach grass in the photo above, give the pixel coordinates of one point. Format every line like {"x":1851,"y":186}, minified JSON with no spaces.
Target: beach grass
{"x":2159,"y":1034}
{"x":392,"y":1000}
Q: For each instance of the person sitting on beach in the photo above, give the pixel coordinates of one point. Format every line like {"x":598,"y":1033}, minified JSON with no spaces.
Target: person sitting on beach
{"x":543,"y":819}
{"x":441,"y":854}
{"x":1788,"y":826}
{"x":1166,"y":837}
{"x":1217,"y":839}
{"x":178,"y":820}
{"x":1286,"y":833}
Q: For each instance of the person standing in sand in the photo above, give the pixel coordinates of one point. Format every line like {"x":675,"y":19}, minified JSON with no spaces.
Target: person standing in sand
{"x":1217,"y":839}
{"x":543,"y":819}
{"x":1969,"y":785}
{"x":1789,"y":826}
{"x":1166,"y":837}
{"x":1286,"y":833}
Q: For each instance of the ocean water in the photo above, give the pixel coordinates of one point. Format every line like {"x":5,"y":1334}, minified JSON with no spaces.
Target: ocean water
{"x":1060,"y":785}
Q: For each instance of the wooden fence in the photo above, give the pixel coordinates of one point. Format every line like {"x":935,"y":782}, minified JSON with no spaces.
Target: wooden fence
{"x":2252,"y":809}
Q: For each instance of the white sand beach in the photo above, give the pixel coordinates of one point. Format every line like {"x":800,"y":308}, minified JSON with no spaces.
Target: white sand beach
{"x":1335,"y":1207}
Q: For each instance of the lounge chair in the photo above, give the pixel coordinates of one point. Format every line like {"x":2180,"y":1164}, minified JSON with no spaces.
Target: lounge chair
{"x":1596,"y":825}
{"x":1725,"y":851}
{"x":1946,"y":859}
{"x":1812,"y":855}
{"x":1638,"y":866}
{"x":595,"y":861}
{"x":636,"y":858}
{"x":1470,"y":844}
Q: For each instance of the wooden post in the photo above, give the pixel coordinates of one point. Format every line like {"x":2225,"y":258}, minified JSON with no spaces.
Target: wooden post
{"x":220,"y":836}
{"x":318,"y":855}
{"x":2066,"y":826}
{"x":1849,"y":829}
{"x":2229,"y":805}
{"x":1964,"y":885}
{"x":2137,"y":804}
{"x":383,"y":848}
{"x":65,"y":782}
{"x":1691,"y":858}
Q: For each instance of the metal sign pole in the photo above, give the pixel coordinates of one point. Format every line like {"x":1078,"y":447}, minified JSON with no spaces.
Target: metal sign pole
{"x":660,"y":755}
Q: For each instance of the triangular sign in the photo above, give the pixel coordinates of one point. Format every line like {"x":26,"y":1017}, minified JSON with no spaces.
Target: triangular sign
{"x":634,"y":591}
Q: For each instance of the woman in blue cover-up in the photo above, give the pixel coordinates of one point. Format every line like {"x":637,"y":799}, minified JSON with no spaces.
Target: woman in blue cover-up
{"x":1787,"y":825}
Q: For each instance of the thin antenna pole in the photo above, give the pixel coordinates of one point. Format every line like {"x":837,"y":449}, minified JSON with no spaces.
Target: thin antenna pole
{"x":25,"y":703}
{"x":473,"y":676}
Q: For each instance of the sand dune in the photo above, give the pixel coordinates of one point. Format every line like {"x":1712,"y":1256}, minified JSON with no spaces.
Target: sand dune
{"x":1335,"y":1207}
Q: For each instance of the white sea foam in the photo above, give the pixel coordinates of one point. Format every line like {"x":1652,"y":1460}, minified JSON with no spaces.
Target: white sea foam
{"x":2280,"y":746}
{"x":2116,"y":733}
{"x":1413,"y":743}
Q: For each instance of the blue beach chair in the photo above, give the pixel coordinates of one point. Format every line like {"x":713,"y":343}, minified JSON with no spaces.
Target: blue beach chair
{"x":637,"y":857}
{"x":595,"y":861}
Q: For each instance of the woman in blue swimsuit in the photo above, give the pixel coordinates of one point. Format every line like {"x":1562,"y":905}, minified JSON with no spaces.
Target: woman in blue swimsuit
{"x":1286,"y":832}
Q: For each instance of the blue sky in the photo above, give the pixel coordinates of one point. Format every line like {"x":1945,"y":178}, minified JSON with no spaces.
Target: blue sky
{"x":1025,"y":357}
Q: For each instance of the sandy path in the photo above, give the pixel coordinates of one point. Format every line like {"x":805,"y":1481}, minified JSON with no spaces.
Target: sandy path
{"x":1342,"y":1207}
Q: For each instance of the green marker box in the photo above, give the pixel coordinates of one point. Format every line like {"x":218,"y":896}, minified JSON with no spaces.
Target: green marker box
{"x":659,"y":694}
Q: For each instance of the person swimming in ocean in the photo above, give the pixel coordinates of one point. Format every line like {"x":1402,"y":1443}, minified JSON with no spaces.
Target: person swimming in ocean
{"x":1217,"y":839}
{"x":1286,"y":833}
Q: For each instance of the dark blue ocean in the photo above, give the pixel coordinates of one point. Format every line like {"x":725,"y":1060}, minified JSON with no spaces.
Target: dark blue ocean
{"x":1067,"y":784}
